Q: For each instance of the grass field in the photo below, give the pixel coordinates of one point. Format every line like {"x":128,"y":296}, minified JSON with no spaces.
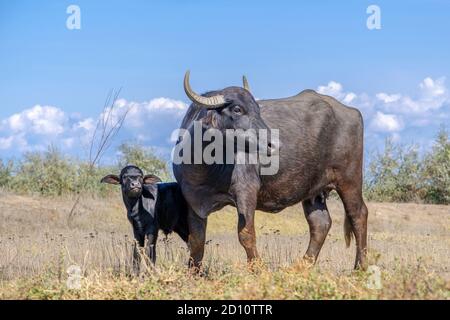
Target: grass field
{"x":408,"y":242}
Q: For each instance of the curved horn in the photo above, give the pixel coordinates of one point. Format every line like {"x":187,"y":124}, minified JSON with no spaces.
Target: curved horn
{"x":245,"y":83}
{"x":207,"y":102}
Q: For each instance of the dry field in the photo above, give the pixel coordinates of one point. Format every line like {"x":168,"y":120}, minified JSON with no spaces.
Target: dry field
{"x":408,"y":242}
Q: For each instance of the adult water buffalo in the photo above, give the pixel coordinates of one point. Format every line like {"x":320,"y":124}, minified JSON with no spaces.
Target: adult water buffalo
{"x":321,"y":149}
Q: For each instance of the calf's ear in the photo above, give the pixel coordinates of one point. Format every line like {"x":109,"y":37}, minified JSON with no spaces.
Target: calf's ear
{"x":151,"y":179}
{"x":111,"y":179}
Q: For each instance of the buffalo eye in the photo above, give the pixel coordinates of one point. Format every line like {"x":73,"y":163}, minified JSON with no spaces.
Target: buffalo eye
{"x":237,"y":110}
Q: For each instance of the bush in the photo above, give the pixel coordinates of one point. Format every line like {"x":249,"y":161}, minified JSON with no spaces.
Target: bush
{"x":46,"y":173}
{"x":436,"y":171}
{"x":5,"y":173}
{"x":144,"y":158}
{"x":51,"y":173}
{"x":399,"y":174}
{"x":394,"y":175}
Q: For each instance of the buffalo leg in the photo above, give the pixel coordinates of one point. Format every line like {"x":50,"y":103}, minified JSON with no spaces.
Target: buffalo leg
{"x":356,"y":216}
{"x":246,"y":203}
{"x":319,"y":221}
{"x":246,"y":233}
{"x":196,"y":240}
{"x":246,"y":195}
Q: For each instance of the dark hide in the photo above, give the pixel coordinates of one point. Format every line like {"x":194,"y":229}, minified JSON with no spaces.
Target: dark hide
{"x":321,"y":149}
{"x":168,"y":213}
{"x":151,"y":207}
{"x":172,"y":210}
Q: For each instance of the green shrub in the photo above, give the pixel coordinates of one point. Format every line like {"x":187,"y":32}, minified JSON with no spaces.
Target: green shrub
{"x":397,"y":174}
{"x":51,"y":173}
{"x":436,"y":171}
{"x":144,"y":158}
{"x":400,"y":174}
{"x":5,"y":173}
{"x":46,"y":173}
{"x":88,"y":179}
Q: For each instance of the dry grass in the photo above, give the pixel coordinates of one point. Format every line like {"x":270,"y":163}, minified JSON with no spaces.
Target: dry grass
{"x":409,"y":242}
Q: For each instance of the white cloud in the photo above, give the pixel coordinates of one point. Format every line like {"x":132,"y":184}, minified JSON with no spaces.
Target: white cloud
{"x":43,"y":120}
{"x":87,"y":124}
{"x":386,"y":98}
{"x":392,"y":112}
{"x":166,"y":104}
{"x":152,"y":122}
{"x":149,"y":122}
{"x":386,"y":122}
{"x":13,"y":141}
{"x":5,"y":143}
{"x":336,"y":90}
{"x":349,"y":97}
{"x":433,"y":88}
{"x":432,"y":96}
{"x":142,"y":113}
{"x":333,"y":89}
{"x":38,"y":123}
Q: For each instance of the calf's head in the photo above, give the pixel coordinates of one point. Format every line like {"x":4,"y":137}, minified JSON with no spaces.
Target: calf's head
{"x":131,"y":180}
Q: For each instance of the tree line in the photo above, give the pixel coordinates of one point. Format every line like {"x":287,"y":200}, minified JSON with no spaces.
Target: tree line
{"x":398,"y":174}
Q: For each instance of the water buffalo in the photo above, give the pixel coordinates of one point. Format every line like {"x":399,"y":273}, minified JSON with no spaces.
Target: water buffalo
{"x":320,"y":149}
{"x":151,"y":206}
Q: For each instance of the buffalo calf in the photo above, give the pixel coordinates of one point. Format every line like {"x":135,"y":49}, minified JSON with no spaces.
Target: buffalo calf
{"x":151,"y":206}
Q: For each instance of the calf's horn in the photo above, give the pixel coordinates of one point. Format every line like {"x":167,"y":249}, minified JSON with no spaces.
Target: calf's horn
{"x":207,"y":102}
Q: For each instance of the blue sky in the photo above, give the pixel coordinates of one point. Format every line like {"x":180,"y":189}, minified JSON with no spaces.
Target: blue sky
{"x":54,"y":80}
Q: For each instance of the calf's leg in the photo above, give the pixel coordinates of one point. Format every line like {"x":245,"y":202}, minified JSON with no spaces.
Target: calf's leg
{"x":151,"y":246}
{"x":136,"y":259}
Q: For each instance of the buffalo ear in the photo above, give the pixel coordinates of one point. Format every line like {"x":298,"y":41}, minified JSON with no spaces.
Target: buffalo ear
{"x":211,"y":120}
{"x":151,"y":179}
{"x":111,"y":179}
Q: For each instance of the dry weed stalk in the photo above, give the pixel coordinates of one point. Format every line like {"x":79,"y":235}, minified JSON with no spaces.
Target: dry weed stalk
{"x":107,"y":128}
